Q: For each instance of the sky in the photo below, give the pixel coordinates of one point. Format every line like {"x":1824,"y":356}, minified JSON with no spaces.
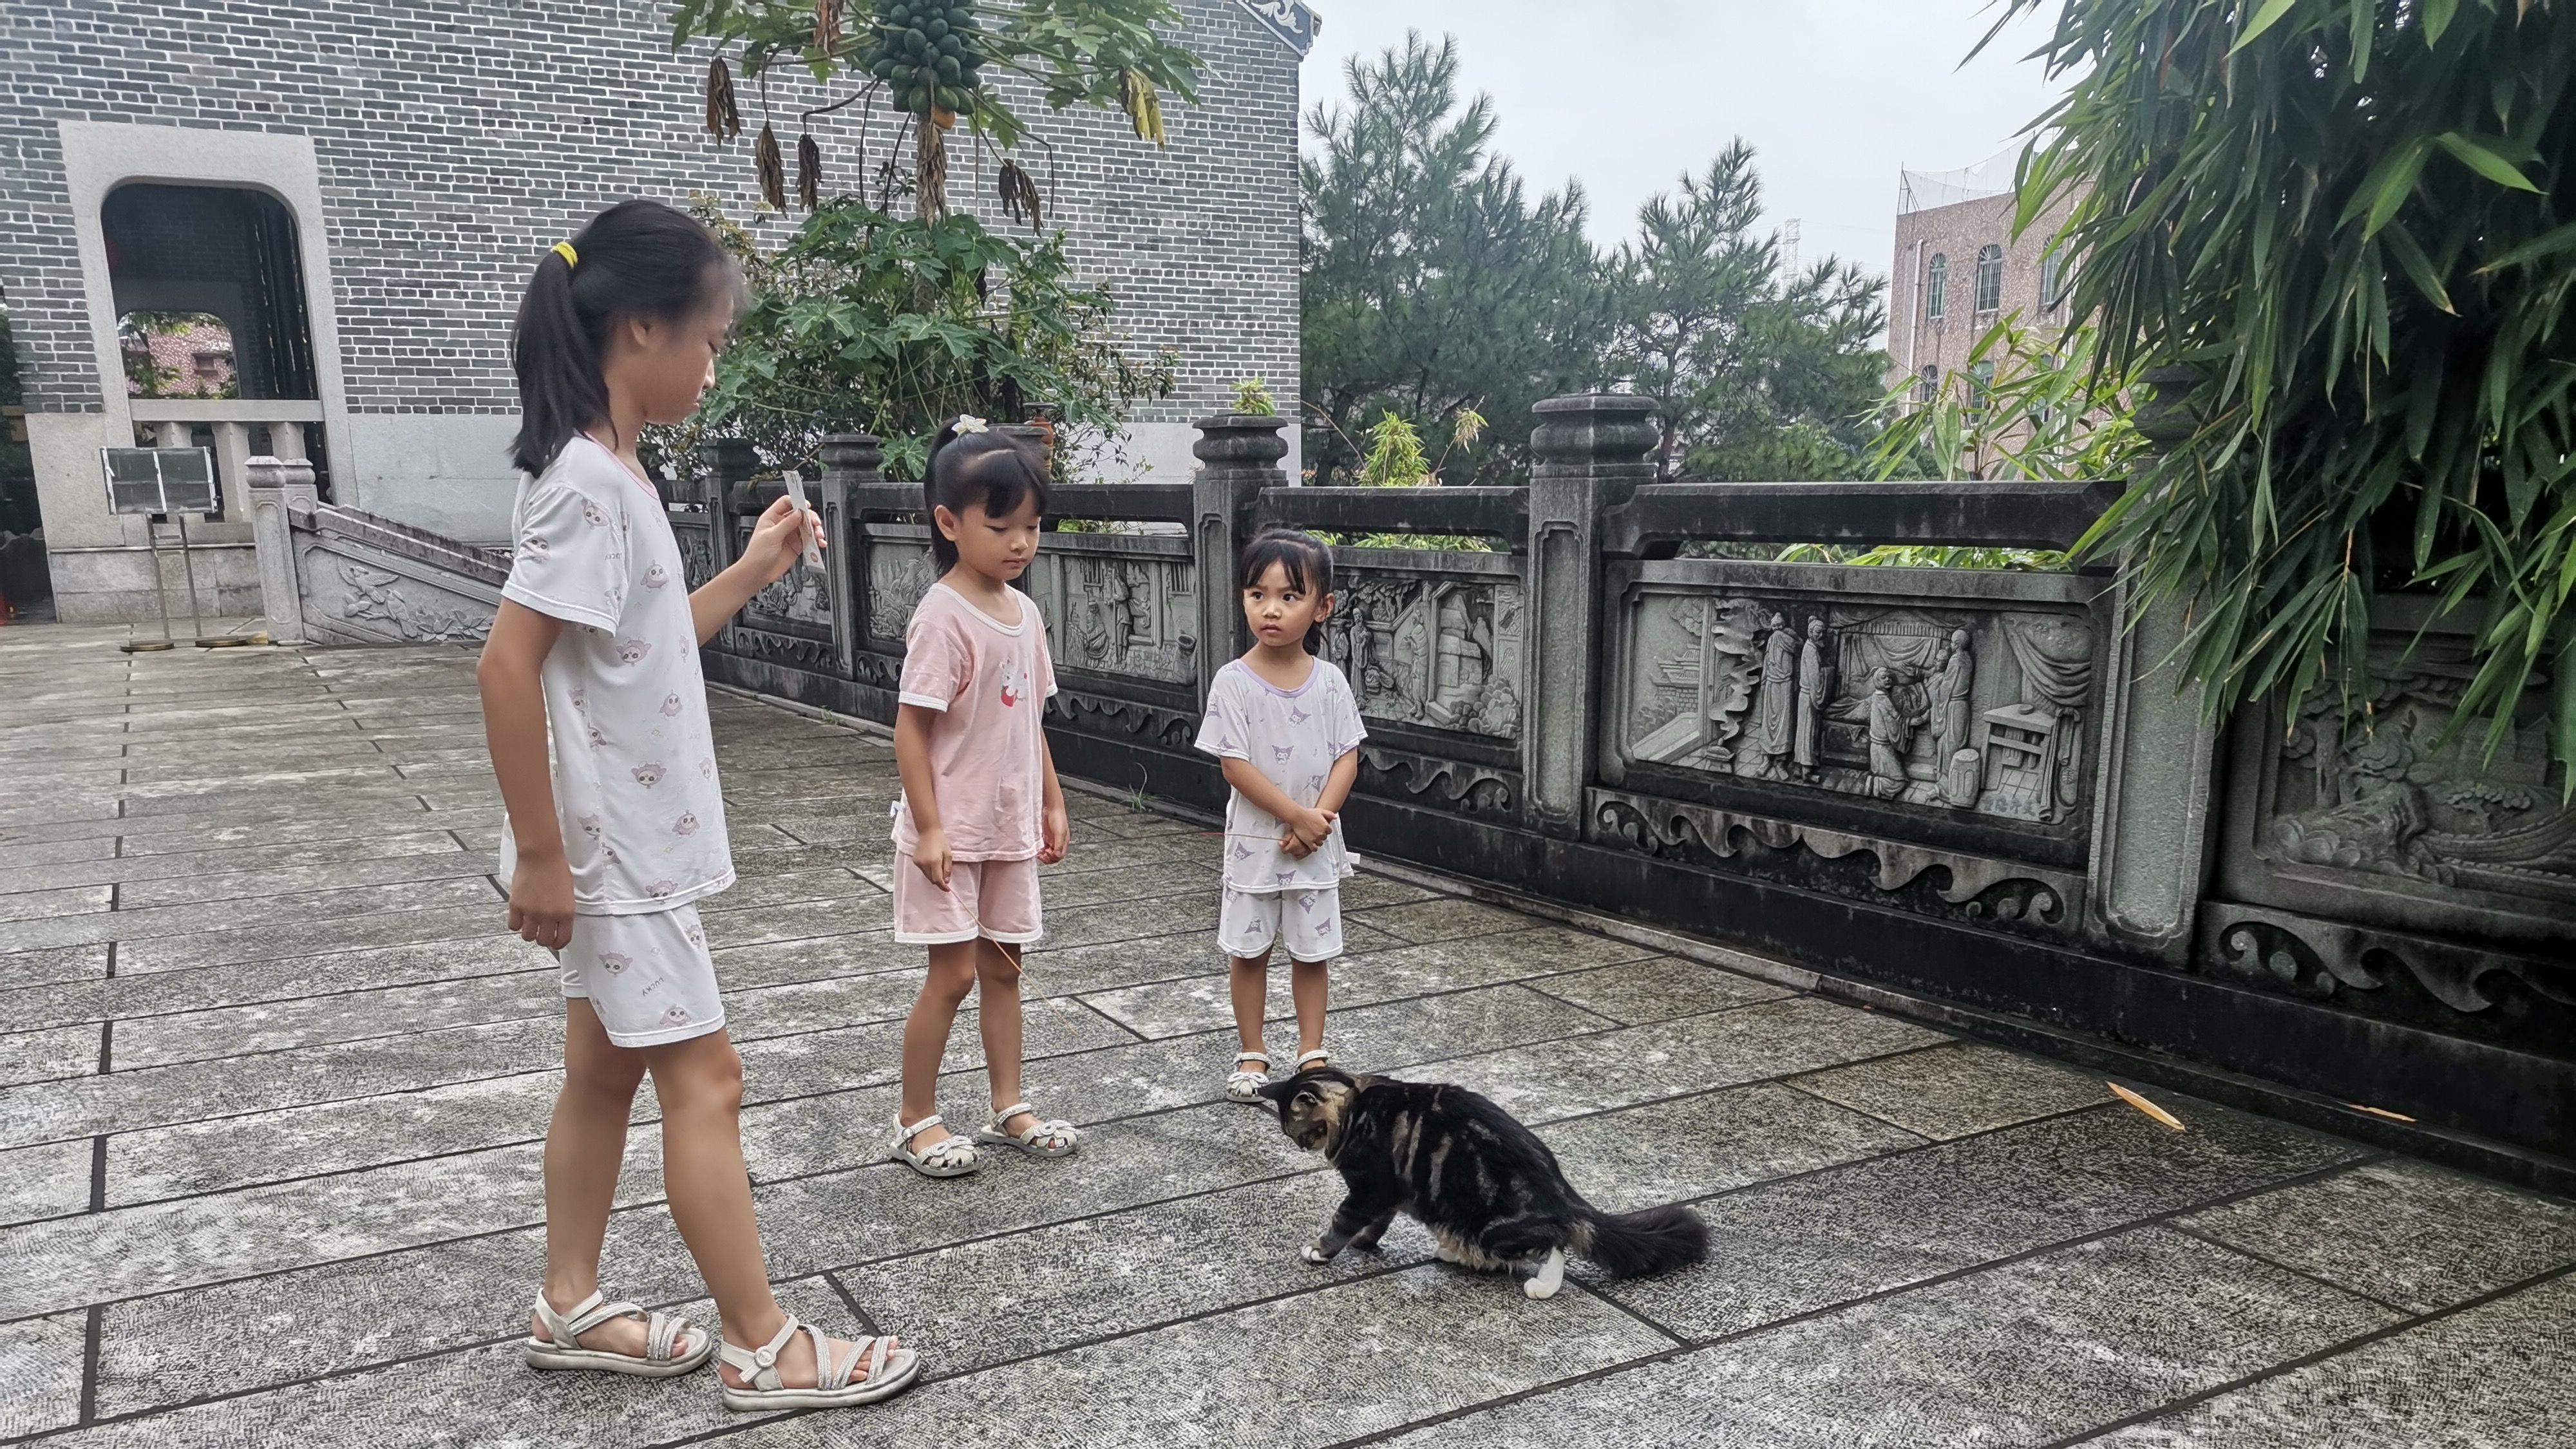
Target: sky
{"x":1835,"y":96}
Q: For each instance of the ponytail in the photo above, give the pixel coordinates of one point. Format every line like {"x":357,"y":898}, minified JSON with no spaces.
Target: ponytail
{"x":977,"y":467}
{"x":636,"y":259}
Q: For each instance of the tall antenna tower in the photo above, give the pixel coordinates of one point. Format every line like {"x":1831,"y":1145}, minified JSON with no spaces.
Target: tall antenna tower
{"x":1789,"y":244}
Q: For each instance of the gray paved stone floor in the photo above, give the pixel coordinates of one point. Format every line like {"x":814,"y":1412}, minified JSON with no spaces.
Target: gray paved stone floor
{"x":272,"y":1082}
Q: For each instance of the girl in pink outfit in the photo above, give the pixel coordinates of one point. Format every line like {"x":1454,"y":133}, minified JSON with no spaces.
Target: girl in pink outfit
{"x":981,"y":808}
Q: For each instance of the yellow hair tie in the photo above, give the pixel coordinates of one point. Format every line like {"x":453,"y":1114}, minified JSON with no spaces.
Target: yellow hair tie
{"x":571,"y":258}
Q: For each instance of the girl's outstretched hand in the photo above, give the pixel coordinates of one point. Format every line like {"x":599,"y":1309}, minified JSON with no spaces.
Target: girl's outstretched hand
{"x":779,"y":538}
{"x":1055,"y":834}
{"x":541,"y":901}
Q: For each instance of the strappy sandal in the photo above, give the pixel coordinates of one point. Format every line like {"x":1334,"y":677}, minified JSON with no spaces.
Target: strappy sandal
{"x":950,"y":1156}
{"x":1307,"y":1059}
{"x":1047,"y":1139}
{"x":891,"y":1370}
{"x":1243,"y":1086}
{"x":672,"y":1345}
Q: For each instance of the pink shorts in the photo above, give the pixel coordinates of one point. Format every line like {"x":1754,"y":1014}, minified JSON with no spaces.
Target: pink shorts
{"x":994,"y":899}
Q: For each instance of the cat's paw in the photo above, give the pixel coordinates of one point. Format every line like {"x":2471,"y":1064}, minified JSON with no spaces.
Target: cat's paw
{"x":1313,"y":1254}
{"x":1542,"y":1287}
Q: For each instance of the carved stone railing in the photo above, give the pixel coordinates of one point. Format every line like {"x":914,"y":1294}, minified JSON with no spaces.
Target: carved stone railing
{"x":1987,"y":792}
{"x":333,"y":575}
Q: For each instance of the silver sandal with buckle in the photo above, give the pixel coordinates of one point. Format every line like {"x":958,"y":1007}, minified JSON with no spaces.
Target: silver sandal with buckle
{"x":672,"y":1345}
{"x":950,"y":1156}
{"x":1046,"y":1139}
{"x":890,"y":1371}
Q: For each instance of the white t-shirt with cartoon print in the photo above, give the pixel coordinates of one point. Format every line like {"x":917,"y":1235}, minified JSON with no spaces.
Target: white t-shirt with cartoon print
{"x":1293,"y":737}
{"x":626,"y":708}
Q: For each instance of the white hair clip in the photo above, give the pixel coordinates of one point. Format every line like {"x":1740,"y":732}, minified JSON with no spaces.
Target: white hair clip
{"x":967,"y":423}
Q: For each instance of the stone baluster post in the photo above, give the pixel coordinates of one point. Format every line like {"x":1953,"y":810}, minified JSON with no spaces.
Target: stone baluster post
{"x":1589,"y":454}
{"x":848,"y":459}
{"x":278,"y":488}
{"x":1238,"y":456}
{"x":729,"y":464}
{"x":2153,"y":808}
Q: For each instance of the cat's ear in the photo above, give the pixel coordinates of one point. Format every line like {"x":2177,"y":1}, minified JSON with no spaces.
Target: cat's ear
{"x":1275,"y":1091}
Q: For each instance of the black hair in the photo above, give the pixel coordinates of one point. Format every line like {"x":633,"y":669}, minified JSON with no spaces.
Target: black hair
{"x":636,"y":259}
{"x":987,"y":469}
{"x":1308,"y":562}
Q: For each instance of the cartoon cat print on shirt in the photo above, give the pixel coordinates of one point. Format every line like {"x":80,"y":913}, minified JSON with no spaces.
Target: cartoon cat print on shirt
{"x":632,"y":651}
{"x":1015,"y":686}
{"x":1298,"y":716}
{"x":656,"y":576}
{"x":687,"y":824}
{"x":671,"y":706}
{"x":1283,"y":753}
{"x":649,"y":776}
{"x":593,"y":514}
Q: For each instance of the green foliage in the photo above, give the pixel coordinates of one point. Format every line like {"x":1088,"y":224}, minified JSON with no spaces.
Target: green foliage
{"x":1432,"y":284}
{"x":864,"y":323}
{"x":1755,"y":375}
{"x":2358,"y":218}
{"x":1395,"y":457}
{"x":2027,"y":405}
{"x":1252,"y":398}
{"x":1106,"y":53}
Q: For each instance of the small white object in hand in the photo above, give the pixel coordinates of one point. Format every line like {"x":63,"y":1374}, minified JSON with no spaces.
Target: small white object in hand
{"x":796,"y":495}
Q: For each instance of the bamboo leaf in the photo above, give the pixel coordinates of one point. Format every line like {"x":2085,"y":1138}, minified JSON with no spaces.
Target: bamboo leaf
{"x":2264,"y":19}
{"x":2483,"y":161}
{"x":2418,"y":267}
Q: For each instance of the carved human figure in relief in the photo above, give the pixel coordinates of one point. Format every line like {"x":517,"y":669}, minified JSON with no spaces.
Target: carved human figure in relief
{"x":1775,"y":701}
{"x":1458,"y":673}
{"x":1952,"y":698}
{"x":1813,"y":686}
{"x":1891,"y":735}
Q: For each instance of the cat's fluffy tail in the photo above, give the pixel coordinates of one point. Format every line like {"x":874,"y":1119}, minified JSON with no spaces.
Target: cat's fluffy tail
{"x":1655,"y":1240}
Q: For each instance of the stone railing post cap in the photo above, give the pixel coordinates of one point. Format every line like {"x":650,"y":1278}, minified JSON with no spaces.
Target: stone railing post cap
{"x":1598,"y":402}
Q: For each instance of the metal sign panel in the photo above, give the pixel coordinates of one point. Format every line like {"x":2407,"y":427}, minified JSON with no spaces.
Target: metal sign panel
{"x":161,"y":480}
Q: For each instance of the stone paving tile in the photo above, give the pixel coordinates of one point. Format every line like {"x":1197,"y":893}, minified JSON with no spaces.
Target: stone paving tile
{"x":2025,"y":1354}
{"x":1652,"y":990}
{"x":139,"y":997}
{"x":21,"y":969}
{"x":1687,"y":1147}
{"x":2494,"y":1376}
{"x":316,"y":938}
{"x":205,"y":919}
{"x":1642,"y":1063}
{"x":153,"y":1041}
{"x":1204,"y":1002}
{"x":425,"y":867}
{"x":1789,"y":1248}
{"x":2401,"y":1232}
{"x":24,"y":915}
{"x":225,"y":871}
{"x":272,"y":823}
{"x":44,"y":1182}
{"x":1444,"y":918}
{"x":44,"y":1056}
{"x":1956,"y":1090}
{"x":40,"y":1373}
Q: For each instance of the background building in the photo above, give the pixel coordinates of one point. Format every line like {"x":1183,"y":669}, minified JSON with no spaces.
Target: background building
{"x":358,"y":189}
{"x":1959,"y":269}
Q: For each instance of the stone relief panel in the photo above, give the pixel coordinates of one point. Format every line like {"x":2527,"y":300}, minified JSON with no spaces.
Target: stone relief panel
{"x":1132,"y":614}
{"x":380,"y":600}
{"x":2386,"y":795}
{"x":899,"y":573}
{"x":1442,"y":651}
{"x":800,"y":599}
{"x":697,"y":548}
{"x":1973,"y":709}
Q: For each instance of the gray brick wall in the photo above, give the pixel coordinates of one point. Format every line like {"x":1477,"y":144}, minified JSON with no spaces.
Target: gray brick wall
{"x":457,"y":140}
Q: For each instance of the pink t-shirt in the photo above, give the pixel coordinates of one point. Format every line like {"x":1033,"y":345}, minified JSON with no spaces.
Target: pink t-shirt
{"x":990,"y":682}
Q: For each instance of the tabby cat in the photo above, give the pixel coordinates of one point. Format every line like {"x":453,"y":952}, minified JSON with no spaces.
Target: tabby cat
{"x":1486,"y":1186}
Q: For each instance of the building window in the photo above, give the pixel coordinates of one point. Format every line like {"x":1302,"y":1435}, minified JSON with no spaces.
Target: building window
{"x":2057,"y":279}
{"x":1936,"y":288}
{"x":1927,"y":385}
{"x":1981,"y":386}
{"x":1990,"y":280}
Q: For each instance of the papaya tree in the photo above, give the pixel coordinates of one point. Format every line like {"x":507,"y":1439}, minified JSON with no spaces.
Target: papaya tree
{"x":932,"y":64}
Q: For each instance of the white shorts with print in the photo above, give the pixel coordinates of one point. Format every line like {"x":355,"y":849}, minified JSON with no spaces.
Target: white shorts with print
{"x":648,"y":976}
{"x":1307,"y":921}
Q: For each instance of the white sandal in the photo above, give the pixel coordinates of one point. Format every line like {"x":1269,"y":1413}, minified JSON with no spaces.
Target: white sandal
{"x":1305,"y":1059}
{"x":672,"y":1345}
{"x":1047,"y":1139}
{"x":950,"y":1156}
{"x":1244,"y":1086}
{"x":890,"y":1371}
